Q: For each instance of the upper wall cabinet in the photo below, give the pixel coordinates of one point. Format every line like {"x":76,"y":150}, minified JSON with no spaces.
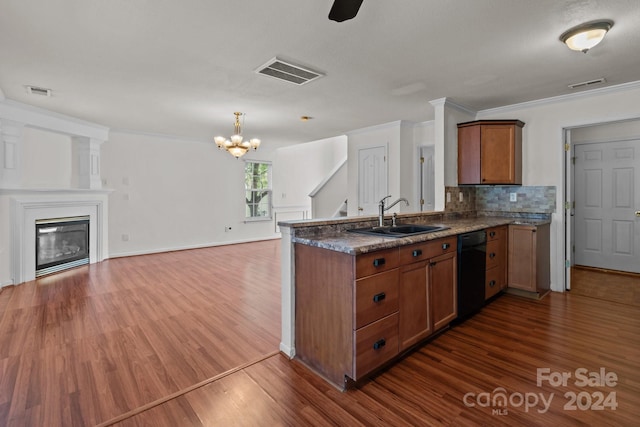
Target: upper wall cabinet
{"x":490,"y":152}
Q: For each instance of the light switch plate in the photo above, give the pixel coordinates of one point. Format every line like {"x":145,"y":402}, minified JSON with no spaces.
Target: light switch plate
{"x":513,"y":197}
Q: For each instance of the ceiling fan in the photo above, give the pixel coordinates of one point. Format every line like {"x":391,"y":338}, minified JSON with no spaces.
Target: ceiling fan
{"x":343,"y":10}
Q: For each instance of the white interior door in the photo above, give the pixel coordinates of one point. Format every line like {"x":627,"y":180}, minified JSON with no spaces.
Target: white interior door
{"x":607,"y":205}
{"x":372,"y":179}
{"x":427,"y":178}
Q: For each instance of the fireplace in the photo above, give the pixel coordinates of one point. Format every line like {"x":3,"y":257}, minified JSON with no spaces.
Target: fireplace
{"x":29,"y":207}
{"x":61,"y":243}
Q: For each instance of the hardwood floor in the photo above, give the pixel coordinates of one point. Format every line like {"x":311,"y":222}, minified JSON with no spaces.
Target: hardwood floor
{"x":606,"y":284}
{"x":501,"y":347}
{"x":87,"y":345}
{"x":189,"y":339}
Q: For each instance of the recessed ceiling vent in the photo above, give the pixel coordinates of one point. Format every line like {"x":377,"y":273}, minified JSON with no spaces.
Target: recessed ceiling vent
{"x":281,"y":70}
{"x":585,"y":84}
{"x":35,"y":90}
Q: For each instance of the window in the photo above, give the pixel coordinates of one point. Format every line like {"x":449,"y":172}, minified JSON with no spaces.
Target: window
{"x":257,"y":185}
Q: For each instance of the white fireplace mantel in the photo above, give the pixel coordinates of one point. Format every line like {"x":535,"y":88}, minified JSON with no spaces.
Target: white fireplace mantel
{"x":29,"y":206}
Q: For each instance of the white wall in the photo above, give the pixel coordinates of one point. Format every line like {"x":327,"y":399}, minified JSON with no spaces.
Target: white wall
{"x":390,"y":136}
{"x":46,"y":159}
{"x":606,"y":132}
{"x":298,"y":169}
{"x":543,"y":144}
{"x":174,"y":194}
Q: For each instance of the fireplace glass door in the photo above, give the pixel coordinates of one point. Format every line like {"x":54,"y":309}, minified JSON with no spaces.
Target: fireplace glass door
{"x":61,"y":243}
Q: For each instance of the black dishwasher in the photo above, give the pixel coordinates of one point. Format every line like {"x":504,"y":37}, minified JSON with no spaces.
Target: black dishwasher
{"x":472,"y":249}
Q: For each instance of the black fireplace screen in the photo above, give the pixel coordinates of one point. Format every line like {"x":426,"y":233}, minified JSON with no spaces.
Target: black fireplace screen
{"x":61,"y":243}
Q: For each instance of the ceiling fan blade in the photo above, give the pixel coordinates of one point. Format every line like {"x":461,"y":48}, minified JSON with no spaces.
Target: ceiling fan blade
{"x":343,"y":10}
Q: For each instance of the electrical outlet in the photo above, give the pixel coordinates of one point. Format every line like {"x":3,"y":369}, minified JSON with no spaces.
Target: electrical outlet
{"x":125,"y":237}
{"x":227,"y":228}
{"x":461,"y":196}
{"x":448,"y":197}
{"x":513,"y":197}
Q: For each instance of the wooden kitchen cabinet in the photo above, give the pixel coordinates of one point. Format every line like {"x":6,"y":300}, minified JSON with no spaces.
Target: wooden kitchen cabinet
{"x":496,"y":262}
{"x":346,"y":311}
{"x":529,"y":263}
{"x":490,"y":152}
{"x":356,"y":313}
{"x":427,"y":289}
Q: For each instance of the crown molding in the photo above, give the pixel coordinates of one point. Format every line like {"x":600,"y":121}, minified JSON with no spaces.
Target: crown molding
{"x":447,"y":102}
{"x":562,"y":98}
{"x":48,"y":120}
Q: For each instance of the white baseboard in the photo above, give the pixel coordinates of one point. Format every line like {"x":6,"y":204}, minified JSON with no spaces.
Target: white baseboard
{"x":182,"y":248}
{"x":288,"y":351}
{"x":6,"y":283}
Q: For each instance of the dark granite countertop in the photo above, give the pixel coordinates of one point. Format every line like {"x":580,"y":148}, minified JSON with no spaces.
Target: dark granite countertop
{"x":355,"y":243}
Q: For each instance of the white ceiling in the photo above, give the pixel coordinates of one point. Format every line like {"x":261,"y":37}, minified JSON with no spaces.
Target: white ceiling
{"x":183,"y":67}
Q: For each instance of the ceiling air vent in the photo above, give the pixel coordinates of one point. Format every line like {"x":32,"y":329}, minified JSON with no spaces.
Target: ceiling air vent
{"x":585,"y":84}
{"x":287,"y":71}
{"x":34,"y":90}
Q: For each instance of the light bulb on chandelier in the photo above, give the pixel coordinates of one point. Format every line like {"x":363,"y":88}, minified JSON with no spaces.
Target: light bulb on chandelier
{"x":236,"y":145}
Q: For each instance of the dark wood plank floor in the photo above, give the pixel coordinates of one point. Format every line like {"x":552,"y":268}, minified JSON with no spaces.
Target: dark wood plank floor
{"x":499,"y":349}
{"x":188,"y":339}
{"x":606,"y":284}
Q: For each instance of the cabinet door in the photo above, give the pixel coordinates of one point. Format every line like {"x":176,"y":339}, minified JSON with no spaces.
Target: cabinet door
{"x":522,"y":257}
{"x":442,"y":281}
{"x":414,"y":323}
{"x":469,"y":155}
{"x":498,"y":154}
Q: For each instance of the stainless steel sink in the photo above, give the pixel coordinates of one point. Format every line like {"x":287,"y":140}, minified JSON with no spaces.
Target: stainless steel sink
{"x":399,"y":230}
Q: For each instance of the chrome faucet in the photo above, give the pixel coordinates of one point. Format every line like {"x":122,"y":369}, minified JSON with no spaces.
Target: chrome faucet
{"x":382,"y":208}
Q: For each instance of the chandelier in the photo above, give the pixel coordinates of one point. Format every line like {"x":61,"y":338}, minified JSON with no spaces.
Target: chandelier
{"x":236,"y":146}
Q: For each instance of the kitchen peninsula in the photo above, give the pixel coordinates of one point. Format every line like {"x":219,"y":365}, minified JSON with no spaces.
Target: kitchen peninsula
{"x":355,"y":302}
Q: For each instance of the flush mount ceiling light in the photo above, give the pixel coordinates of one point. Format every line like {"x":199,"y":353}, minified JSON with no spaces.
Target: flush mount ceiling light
{"x":236,"y":146}
{"x":587,"y":35}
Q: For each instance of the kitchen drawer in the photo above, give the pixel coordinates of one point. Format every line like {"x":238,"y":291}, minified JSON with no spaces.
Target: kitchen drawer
{"x":427,"y":250}
{"x":376,"y":262}
{"x":496,"y":253}
{"x":375,"y":344}
{"x":495,"y":281}
{"x":376,"y":297}
{"x":497,"y":233}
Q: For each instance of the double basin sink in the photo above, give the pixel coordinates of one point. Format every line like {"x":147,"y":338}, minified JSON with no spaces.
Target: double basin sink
{"x":399,"y":230}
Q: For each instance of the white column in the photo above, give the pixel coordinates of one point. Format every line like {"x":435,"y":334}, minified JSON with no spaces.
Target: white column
{"x":86,"y":163}
{"x":10,"y":154}
{"x":288,"y":295}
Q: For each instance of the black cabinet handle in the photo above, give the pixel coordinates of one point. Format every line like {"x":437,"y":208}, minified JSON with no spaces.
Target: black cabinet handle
{"x":378,"y":262}
{"x":492,"y":255}
{"x":492,"y":283}
{"x":379,"y":344}
{"x":492,"y":234}
{"x":432,"y":263}
{"x":445,"y":246}
{"x":379,"y":297}
{"x":417,"y":252}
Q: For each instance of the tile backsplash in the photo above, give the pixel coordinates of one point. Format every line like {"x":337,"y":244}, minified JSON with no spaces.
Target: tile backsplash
{"x":531,"y":199}
{"x":452,"y":199}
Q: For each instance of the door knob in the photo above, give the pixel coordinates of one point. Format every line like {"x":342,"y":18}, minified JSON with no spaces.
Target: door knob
{"x":637,"y":213}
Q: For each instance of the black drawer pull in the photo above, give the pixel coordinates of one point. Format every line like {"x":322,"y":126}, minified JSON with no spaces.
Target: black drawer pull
{"x":378,"y":262}
{"x":379,"y":344}
{"x":492,"y":234}
{"x":445,"y":246}
{"x":492,"y":255}
{"x":492,"y":283}
{"x":379,"y":297}
{"x":417,"y":252}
